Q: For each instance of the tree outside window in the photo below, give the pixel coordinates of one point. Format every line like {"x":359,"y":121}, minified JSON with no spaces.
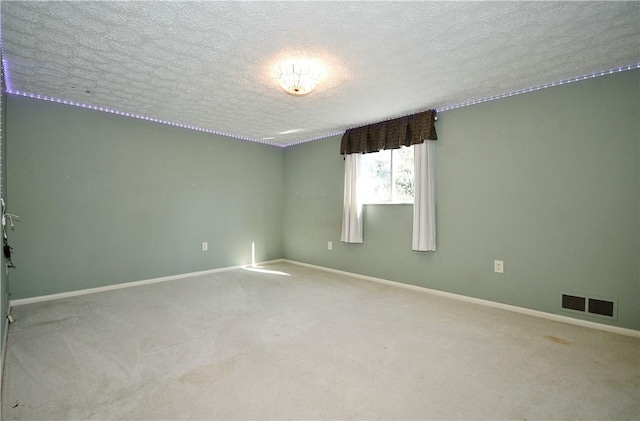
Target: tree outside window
{"x":387,"y":176}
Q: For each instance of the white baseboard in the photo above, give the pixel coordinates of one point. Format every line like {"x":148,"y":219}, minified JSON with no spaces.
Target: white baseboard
{"x":31,"y":300}
{"x":4,"y":352}
{"x":516,"y":309}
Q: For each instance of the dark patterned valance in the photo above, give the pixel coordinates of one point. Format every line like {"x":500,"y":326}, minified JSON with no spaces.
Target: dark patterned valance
{"x":390,"y":134}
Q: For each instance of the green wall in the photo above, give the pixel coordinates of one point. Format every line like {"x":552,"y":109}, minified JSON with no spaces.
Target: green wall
{"x":546,"y":181}
{"x":106,"y":199}
{"x":4,"y":292}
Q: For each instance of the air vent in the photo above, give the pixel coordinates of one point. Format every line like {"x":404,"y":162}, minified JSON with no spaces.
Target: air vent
{"x":573,"y":302}
{"x":596,"y":306}
{"x":601,"y":307}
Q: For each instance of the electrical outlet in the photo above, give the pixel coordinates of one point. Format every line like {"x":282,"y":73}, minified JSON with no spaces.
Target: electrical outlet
{"x":205,"y":246}
{"x":329,"y":245}
{"x":498,"y":266}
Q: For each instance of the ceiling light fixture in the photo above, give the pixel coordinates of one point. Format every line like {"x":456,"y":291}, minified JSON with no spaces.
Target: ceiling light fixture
{"x":298,"y":76}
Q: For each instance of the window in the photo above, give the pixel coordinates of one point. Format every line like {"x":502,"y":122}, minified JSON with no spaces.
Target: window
{"x":387,"y":176}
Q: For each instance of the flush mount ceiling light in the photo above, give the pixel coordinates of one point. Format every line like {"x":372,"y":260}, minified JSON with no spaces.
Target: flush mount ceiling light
{"x":298,"y":76}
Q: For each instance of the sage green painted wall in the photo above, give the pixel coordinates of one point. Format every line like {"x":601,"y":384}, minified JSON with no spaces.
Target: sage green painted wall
{"x":4,"y":293}
{"x":106,"y":199}
{"x":546,"y":181}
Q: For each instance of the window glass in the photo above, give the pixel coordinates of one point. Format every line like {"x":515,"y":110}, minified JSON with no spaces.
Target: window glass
{"x":387,"y":176}
{"x":403,"y":183}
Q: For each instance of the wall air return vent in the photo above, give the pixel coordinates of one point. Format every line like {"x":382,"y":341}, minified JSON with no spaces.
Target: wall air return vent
{"x":573,"y":302}
{"x":601,"y":307}
{"x":596,"y":306}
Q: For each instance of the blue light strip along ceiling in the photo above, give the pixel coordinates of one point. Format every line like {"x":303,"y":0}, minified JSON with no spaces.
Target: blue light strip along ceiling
{"x":491,"y":98}
{"x":544,"y":86}
{"x":10,"y":90}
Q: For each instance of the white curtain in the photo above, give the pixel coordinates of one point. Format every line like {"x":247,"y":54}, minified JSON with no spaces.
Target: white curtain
{"x":424,"y":206}
{"x":352,"y":209}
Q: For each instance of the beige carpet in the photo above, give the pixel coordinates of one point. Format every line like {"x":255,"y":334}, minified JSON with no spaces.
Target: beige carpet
{"x":298,"y":343}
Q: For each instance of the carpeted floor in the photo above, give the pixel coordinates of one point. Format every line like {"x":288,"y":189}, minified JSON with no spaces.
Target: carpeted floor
{"x":297,"y":343}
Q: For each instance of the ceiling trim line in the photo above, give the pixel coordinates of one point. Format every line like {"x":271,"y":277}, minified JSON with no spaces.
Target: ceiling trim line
{"x":140,"y":117}
{"x":539,"y":87}
{"x":9,"y":90}
{"x":5,"y":69}
{"x":487,"y":99}
{"x":494,"y":97}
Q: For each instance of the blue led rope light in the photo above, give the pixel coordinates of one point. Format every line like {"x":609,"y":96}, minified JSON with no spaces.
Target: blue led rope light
{"x":491,"y":98}
{"x":538,"y":87}
{"x":5,"y":70}
{"x":297,"y":142}
{"x":139,"y":116}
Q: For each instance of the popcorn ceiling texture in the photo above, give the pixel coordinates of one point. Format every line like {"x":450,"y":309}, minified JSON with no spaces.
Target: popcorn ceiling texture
{"x":209,"y":64}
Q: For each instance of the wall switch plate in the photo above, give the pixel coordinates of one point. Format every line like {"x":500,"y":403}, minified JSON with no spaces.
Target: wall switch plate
{"x":498,"y":266}
{"x":205,"y":246}
{"x":329,"y":245}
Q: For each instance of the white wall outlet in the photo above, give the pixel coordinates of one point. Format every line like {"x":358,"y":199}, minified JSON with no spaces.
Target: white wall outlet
{"x":205,"y":246}
{"x":498,"y":266}
{"x":329,"y":245}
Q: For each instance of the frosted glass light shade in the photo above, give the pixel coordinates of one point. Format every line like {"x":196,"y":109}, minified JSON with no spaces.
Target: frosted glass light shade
{"x":298,"y":77}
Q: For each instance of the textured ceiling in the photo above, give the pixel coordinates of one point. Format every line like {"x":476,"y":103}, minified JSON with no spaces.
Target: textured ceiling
{"x":209,"y":64}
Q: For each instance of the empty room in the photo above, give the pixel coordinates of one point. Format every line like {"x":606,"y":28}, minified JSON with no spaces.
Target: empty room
{"x":320,"y":210}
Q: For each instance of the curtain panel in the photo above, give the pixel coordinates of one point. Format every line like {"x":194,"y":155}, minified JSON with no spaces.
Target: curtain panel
{"x":352,"y":209}
{"x":390,"y":134}
{"x":424,"y":204}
